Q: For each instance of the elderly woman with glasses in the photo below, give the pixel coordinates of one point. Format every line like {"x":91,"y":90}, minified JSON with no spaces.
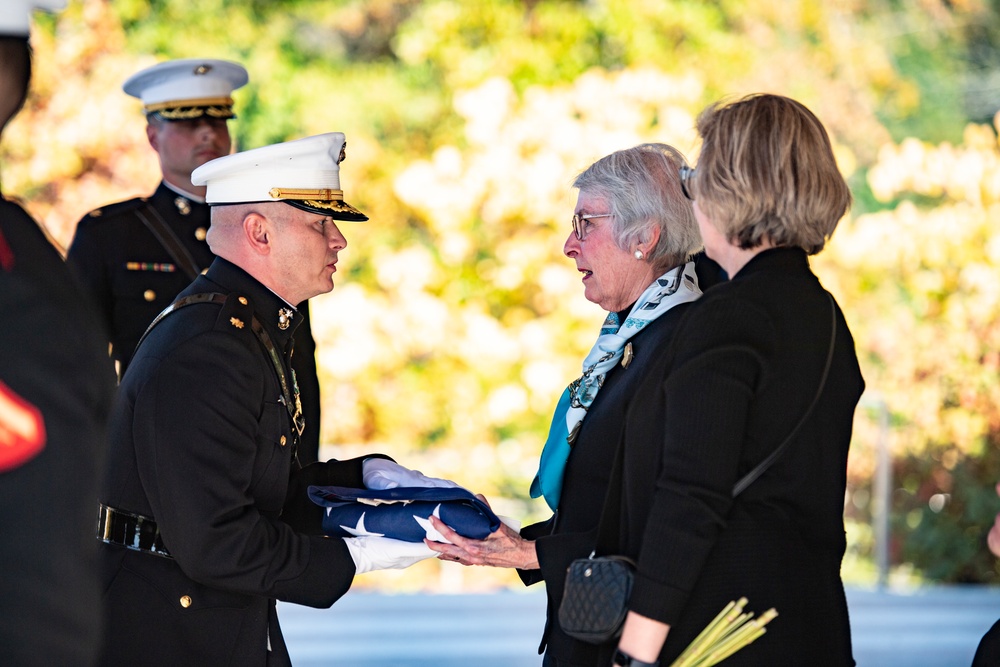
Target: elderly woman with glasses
{"x":735,"y":457}
{"x":632,"y":239}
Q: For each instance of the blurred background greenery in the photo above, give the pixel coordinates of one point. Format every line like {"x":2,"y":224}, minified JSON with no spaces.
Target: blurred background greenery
{"x":456,"y":321}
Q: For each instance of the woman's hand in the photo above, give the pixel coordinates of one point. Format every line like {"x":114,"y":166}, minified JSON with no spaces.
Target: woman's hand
{"x":502,"y":548}
{"x":642,"y":637}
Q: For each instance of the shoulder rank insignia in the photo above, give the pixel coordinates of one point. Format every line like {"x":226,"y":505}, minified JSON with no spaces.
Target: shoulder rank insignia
{"x":236,"y":322}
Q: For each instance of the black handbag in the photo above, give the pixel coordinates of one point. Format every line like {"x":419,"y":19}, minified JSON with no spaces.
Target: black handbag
{"x":597,"y":588}
{"x":595,"y":597}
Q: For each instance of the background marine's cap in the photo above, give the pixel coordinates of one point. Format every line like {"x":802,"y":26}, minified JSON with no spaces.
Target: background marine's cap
{"x":304,"y":173}
{"x":15,"y":17}
{"x":188,"y":88}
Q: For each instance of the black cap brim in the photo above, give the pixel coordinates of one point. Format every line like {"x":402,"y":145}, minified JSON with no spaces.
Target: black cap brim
{"x":335,"y":208}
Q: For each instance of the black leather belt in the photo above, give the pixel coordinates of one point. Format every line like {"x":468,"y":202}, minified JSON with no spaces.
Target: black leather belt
{"x":131,"y":531}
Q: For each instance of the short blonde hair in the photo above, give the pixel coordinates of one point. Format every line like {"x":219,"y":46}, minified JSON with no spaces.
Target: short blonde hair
{"x":642,"y":186}
{"x":767,"y":173}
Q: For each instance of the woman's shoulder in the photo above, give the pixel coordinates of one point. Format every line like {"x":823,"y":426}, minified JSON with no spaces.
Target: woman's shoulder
{"x":661,"y":330}
{"x":730,"y":301}
{"x":727,"y":316}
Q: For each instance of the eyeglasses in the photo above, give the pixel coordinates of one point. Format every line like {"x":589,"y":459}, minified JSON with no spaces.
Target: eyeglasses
{"x":687,"y":173}
{"x":578,"y":221}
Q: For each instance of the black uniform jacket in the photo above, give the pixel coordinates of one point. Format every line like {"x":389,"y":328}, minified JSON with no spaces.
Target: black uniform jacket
{"x":201,"y":442}
{"x":53,"y":360}
{"x":742,"y":369}
{"x":132,"y":276}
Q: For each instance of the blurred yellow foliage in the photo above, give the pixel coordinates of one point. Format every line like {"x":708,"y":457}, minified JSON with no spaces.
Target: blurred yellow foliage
{"x":456,"y":321}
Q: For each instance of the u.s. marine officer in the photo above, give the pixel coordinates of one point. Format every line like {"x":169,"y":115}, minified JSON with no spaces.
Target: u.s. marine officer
{"x":205,"y":520}
{"x":135,"y":256}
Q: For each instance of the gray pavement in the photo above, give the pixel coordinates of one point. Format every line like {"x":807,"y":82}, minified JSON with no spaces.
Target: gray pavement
{"x":927,"y":627}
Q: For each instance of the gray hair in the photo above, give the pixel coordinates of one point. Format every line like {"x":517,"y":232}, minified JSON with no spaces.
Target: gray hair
{"x":642,"y":185}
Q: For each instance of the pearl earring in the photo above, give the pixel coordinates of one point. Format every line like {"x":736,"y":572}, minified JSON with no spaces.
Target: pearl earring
{"x":638,"y":254}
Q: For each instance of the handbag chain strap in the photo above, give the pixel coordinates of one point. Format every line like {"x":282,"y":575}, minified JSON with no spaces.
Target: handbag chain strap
{"x":752,"y":476}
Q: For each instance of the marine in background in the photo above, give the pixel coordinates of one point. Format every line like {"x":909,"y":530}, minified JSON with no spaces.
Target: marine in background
{"x":135,"y":256}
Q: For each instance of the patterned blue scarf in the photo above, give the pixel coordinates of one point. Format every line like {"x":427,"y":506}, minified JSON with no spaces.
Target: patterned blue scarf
{"x":676,"y":286}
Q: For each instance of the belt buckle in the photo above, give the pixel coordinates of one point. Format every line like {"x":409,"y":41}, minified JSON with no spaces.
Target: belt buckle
{"x":129,"y":530}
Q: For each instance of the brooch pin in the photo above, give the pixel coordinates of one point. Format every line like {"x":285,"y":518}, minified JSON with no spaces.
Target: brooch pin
{"x":285,"y":318}
{"x":627,"y":355}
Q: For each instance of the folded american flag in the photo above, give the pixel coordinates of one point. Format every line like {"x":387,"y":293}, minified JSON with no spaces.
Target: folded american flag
{"x":403,"y":513}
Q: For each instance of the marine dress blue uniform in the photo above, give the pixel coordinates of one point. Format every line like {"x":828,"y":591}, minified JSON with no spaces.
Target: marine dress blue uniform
{"x":201,"y":462}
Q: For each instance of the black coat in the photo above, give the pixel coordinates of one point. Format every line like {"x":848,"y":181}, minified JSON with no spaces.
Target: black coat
{"x":571,"y":533}
{"x":132,"y":277}
{"x":201,"y":442}
{"x":743,"y":367}
{"x":53,"y":358}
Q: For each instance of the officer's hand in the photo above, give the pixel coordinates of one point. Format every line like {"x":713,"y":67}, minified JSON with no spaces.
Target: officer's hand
{"x":383,"y":474}
{"x":384,"y":553}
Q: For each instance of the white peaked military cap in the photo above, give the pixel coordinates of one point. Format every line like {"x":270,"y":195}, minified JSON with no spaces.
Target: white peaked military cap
{"x":188,"y":88}
{"x":304,"y":173}
{"x":15,"y":15}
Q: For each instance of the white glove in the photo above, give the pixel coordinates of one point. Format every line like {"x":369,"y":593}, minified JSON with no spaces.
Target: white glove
{"x":384,"y":553}
{"x":381,"y":474}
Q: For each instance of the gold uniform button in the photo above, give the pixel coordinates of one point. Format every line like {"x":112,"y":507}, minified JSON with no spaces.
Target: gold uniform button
{"x":149,"y":295}
{"x":185,"y":601}
{"x":243,"y":300}
{"x":200,"y":233}
{"x":283,"y":441}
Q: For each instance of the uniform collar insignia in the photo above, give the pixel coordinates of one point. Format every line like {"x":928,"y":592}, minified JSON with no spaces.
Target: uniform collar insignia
{"x":183,"y":205}
{"x":285,"y":318}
